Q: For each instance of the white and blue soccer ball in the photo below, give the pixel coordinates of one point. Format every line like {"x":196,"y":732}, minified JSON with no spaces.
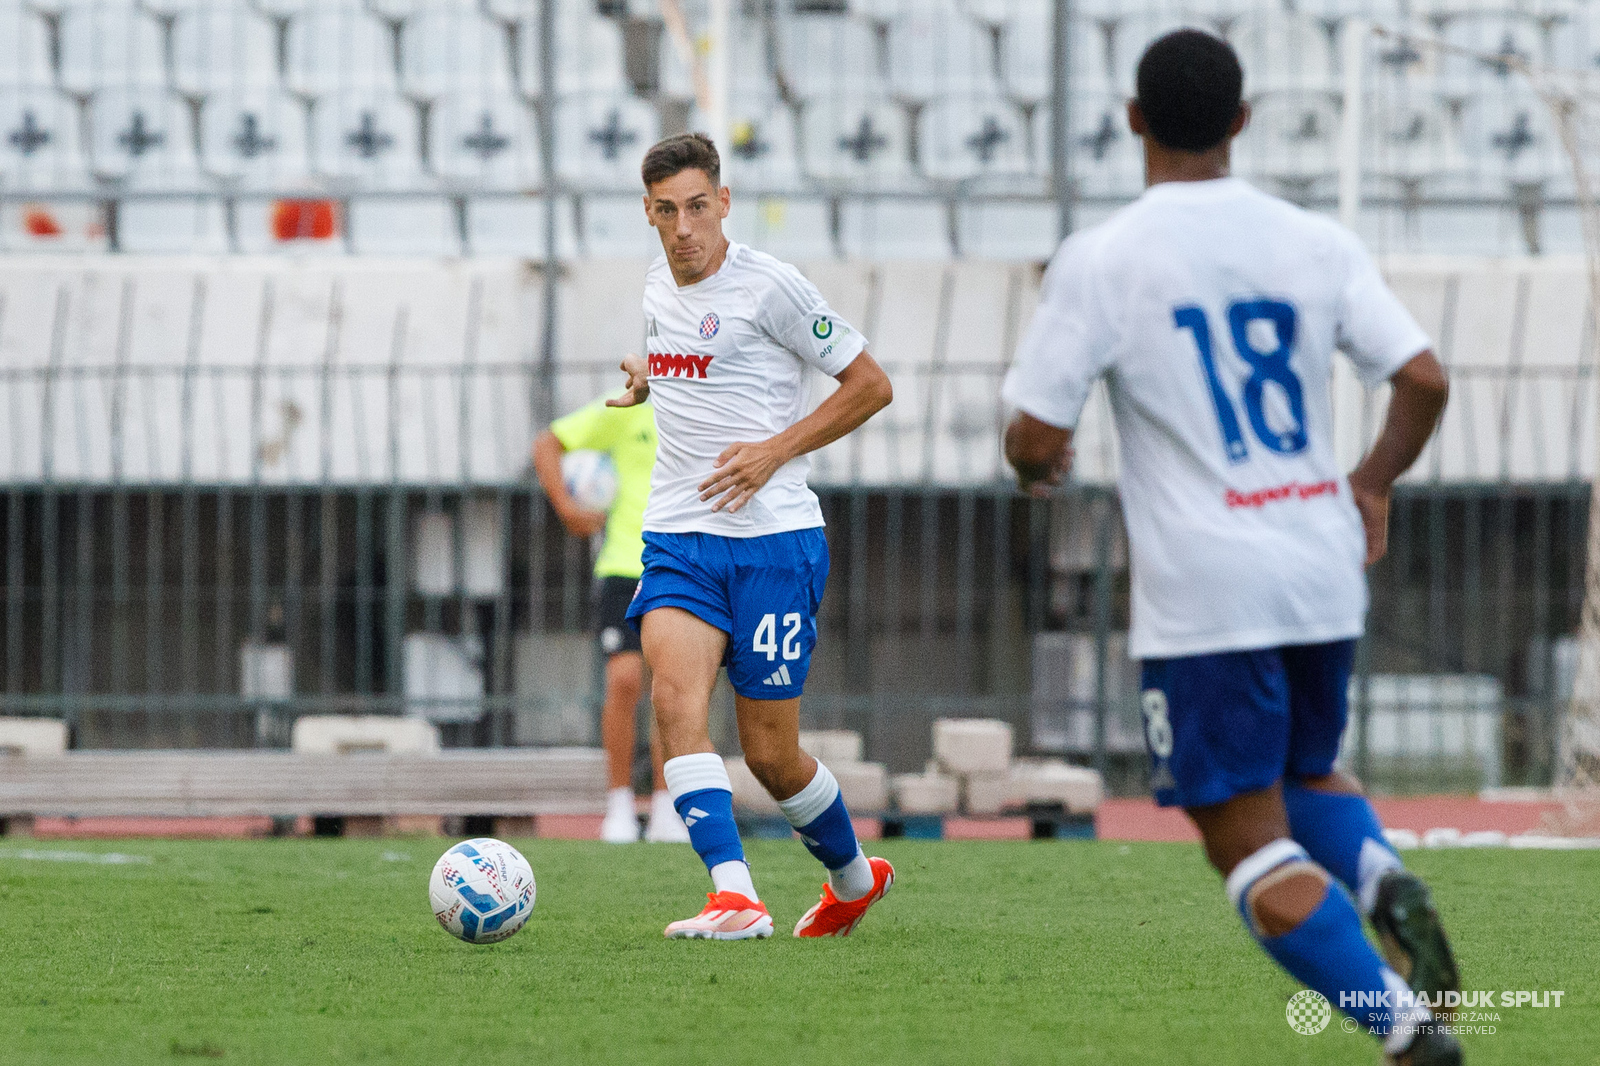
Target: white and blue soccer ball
{"x":591,"y":479}
{"x":482,"y":890}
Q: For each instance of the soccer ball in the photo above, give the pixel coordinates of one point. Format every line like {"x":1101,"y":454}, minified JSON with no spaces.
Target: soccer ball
{"x":591,"y":479}
{"x":481,"y":890}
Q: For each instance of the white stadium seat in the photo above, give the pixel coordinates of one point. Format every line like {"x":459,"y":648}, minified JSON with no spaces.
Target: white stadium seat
{"x":588,"y":53}
{"x":1292,"y":134}
{"x":223,"y":48}
{"x":367,"y":140}
{"x":449,"y":47}
{"x":403,"y":226}
{"x":828,"y":54}
{"x":24,"y":47}
{"x":110,"y":45}
{"x":485,"y":141}
{"x":601,"y":138}
{"x":140,"y":138}
{"x":862,"y":140}
{"x":892,"y":228}
{"x":761,"y":152}
{"x":932,"y":50}
{"x":789,"y":227}
{"x":39,"y":149}
{"x":335,"y":46}
{"x":964,"y":137}
{"x":255,"y":139}
{"x":1012,"y":230}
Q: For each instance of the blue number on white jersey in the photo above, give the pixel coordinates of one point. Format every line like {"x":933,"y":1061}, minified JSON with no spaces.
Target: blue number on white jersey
{"x":1265,"y":366}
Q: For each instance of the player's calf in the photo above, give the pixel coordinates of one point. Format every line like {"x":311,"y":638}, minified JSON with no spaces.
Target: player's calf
{"x":1310,"y":927}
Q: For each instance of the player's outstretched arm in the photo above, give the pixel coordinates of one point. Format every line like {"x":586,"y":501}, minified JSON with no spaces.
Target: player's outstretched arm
{"x":1040,"y":453}
{"x":580,"y":522}
{"x":1420,"y":391}
{"x":638,"y":386}
{"x":742,"y":468}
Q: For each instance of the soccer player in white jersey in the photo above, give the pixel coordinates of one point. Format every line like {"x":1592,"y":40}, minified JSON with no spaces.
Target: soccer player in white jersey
{"x":1212,"y":311}
{"x":735,"y":560}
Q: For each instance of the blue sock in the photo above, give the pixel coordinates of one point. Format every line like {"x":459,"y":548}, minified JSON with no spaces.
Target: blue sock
{"x":818,"y":813}
{"x":1342,"y":834}
{"x":703,"y":797}
{"x":1328,"y":951}
{"x":709,"y":815}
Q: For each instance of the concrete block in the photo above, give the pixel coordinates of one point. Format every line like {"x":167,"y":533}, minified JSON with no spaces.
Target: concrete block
{"x":362,"y":735}
{"x":972,"y":745}
{"x":925,"y":793}
{"x":1077,"y":788}
{"x":833,"y":747}
{"x":748,"y":794}
{"x":32,"y":737}
{"x":984,"y":794}
{"x":864,"y":785}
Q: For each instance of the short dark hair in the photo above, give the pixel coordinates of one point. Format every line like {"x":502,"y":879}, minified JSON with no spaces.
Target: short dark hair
{"x":1190,"y":84}
{"x":682,"y":151}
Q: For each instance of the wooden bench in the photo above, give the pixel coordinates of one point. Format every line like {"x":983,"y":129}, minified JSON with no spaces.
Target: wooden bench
{"x":500,"y":783}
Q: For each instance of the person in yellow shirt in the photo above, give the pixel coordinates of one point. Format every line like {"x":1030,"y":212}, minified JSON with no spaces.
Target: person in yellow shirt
{"x":628,"y":436}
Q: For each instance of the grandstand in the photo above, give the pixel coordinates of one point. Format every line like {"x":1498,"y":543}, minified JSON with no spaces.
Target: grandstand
{"x":292,"y":284}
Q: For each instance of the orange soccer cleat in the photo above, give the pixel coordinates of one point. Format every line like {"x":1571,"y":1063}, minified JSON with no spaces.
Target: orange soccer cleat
{"x":727,"y":916}
{"x":832,"y":917}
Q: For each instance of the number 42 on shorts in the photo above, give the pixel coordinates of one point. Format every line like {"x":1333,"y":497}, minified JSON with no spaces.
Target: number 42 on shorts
{"x":766,"y":638}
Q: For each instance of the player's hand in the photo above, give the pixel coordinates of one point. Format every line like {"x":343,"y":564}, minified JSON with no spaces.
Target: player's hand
{"x":1039,"y":482}
{"x":1373,"y":503}
{"x":581,"y":521}
{"x":638,"y":386}
{"x":741,"y":470}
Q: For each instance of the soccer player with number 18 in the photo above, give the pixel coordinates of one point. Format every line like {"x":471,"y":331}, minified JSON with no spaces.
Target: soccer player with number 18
{"x":1212,"y":311}
{"x":735,"y":559}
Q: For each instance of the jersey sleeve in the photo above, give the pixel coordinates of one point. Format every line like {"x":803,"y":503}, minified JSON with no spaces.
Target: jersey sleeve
{"x":793,"y":313}
{"x":1067,"y":346}
{"x":592,"y":427}
{"x":1375,"y":330}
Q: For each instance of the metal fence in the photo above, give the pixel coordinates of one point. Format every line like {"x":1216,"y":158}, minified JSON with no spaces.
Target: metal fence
{"x":197,"y":613}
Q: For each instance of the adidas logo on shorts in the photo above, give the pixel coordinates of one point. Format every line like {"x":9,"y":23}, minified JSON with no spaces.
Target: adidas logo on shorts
{"x":781,"y":678}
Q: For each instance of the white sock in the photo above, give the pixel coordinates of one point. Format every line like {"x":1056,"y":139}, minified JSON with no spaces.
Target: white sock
{"x":852,"y":880}
{"x":734,"y":876}
{"x":1375,"y":861}
{"x":619,"y":801}
{"x":661,"y":803}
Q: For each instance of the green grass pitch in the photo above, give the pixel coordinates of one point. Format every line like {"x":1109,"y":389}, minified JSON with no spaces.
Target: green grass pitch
{"x":323,"y":951}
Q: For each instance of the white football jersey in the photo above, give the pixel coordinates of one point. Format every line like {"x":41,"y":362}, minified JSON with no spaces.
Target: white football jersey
{"x":1213,"y":310}
{"x":727,"y":362}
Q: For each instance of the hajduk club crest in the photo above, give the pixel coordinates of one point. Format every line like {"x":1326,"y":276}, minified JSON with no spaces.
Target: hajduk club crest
{"x":708,"y":325}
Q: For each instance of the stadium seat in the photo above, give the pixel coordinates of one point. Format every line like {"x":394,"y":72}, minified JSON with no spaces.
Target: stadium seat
{"x":172,"y":226}
{"x":112,"y":44}
{"x":254,"y":139}
{"x":895,"y":446}
{"x":516,"y":226}
{"x":965,"y":399}
{"x":826,"y":54}
{"x":366,"y":140}
{"x":1292,"y":134}
{"x":39,"y":150}
{"x":448,"y":48}
{"x":601,"y":138}
{"x":603,"y":319}
{"x":894,"y":229}
{"x":1106,"y":157}
{"x":1025,"y":51}
{"x":485,"y":141}
{"x":1010,"y":230}
{"x":789,"y":227}
{"x":588,"y":53}
{"x":966,"y":137}
{"x":336,"y":47}
{"x":856,"y":139}
{"x":1286,"y":52}
{"x":222,"y":48}
{"x":614,"y":227}
{"x":932,"y":50}
{"x":24,"y":47}
{"x":140,"y":138}
{"x":761,"y":153}
{"x":411,"y":225}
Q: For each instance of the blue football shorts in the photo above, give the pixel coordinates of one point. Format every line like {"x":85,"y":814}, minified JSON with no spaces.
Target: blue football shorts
{"x":1227,"y":723}
{"x":763,"y":592}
